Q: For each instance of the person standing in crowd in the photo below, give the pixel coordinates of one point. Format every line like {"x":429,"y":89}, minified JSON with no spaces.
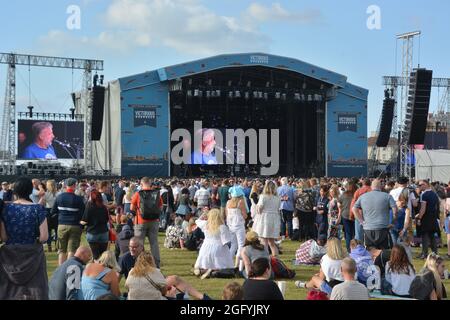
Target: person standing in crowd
{"x":321,"y":209}
{"x":65,"y":283}
{"x":236,"y":214}
{"x":127,"y":198}
{"x":7,"y":193}
{"x":427,"y":218}
{"x":267,"y":225}
{"x":399,"y":272}
{"x":48,"y":200}
{"x":119,"y":192}
{"x":215,"y":199}
{"x":96,"y":218}
{"x":345,"y":207}
{"x":23,"y":228}
{"x":147,"y":227}
{"x":100,"y":277}
{"x":334,"y":214}
{"x":254,"y":197}
{"x":223,"y":196}
{"x":258,"y":286}
{"x":69,"y":208}
{"x":287,"y":197}
{"x":82,"y":192}
{"x":447,"y":222}
{"x":304,"y":205}
{"x":375,"y":216}
{"x":350,"y":289}
{"x":359,"y":231}
{"x":214,"y":254}
{"x":36,"y":193}
{"x":184,"y":205}
{"x":203,"y":197}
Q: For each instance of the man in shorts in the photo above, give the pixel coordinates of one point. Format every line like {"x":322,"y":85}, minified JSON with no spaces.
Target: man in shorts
{"x":69,"y":208}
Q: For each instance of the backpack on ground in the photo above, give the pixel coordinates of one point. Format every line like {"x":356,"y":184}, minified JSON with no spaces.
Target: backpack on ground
{"x":149,"y":204}
{"x":280,"y":269}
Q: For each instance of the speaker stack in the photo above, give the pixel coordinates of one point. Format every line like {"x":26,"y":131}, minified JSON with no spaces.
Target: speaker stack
{"x":417,"y":109}
{"x":386,"y":121}
{"x":98,"y":106}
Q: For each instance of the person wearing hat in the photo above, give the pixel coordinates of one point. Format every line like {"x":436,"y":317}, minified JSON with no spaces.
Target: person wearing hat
{"x":69,"y":208}
{"x":236,"y":214}
{"x":252,"y":250}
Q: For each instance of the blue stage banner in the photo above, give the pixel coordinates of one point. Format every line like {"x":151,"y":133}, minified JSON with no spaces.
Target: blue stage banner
{"x":347,"y":133}
{"x":145,"y":126}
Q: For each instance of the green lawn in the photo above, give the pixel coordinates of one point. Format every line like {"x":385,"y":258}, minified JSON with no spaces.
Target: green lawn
{"x":180,"y":262}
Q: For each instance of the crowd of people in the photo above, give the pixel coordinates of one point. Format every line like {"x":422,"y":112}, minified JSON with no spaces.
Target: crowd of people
{"x":359,"y":231}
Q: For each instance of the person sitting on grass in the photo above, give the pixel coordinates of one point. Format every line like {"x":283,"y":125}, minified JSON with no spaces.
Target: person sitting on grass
{"x":258,"y":286}
{"x":330,"y":269}
{"x":146,"y":282}
{"x":362,"y":258}
{"x":350,"y":289}
{"x":175,"y":235}
{"x":428,"y":283}
{"x":233,"y":291}
{"x":252,"y":250}
{"x":399,"y":272}
{"x":215,"y":254}
{"x":311,"y":251}
{"x":101,"y":277}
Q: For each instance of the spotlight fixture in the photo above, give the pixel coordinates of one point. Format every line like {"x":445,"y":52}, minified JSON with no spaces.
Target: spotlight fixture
{"x":230,"y":94}
{"x":284,"y":96}
{"x":237,"y":94}
{"x":247,"y":95}
{"x":218,"y":93}
{"x":255,"y":94}
{"x":249,"y":84}
{"x":266,"y":96}
{"x":297,"y":96}
{"x":277,"y":95}
{"x":260,"y":94}
{"x":304,"y":85}
{"x":208,"y":94}
{"x":189,"y":93}
{"x":230,"y":83}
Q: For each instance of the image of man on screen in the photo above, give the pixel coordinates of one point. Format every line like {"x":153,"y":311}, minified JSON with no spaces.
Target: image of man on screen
{"x":206,"y":153}
{"x":42,"y":147}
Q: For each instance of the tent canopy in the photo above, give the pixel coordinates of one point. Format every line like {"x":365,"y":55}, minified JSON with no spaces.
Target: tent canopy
{"x":433,"y":165}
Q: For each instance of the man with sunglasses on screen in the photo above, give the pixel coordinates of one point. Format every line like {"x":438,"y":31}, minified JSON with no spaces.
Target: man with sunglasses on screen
{"x":42,"y":147}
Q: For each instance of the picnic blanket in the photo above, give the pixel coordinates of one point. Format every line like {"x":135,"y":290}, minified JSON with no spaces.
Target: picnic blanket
{"x":377,"y":295}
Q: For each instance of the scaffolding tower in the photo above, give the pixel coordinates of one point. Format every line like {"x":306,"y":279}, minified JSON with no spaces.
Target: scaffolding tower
{"x":8,"y":130}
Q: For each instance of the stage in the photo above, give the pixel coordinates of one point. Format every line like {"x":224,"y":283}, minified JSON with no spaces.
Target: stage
{"x":320,"y":118}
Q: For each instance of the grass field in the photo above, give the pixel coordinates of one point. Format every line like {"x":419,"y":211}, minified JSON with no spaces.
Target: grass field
{"x":180,"y":262}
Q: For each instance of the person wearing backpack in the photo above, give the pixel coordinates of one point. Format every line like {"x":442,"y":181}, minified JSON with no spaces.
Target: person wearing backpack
{"x":146,"y":206}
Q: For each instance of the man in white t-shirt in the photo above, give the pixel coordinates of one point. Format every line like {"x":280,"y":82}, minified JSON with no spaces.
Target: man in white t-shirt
{"x":402,"y":187}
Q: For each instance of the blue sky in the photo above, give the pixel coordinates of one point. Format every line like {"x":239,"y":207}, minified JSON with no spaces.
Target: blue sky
{"x":133,"y":36}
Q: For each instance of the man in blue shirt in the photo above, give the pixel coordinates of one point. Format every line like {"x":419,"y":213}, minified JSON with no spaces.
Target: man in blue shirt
{"x":205,"y":155}
{"x":42,"y":147}
{"x":287,"y":197}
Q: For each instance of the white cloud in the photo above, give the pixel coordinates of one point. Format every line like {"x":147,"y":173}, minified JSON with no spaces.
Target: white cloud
{"x":187,"y":26}
{"x":276,"y":12}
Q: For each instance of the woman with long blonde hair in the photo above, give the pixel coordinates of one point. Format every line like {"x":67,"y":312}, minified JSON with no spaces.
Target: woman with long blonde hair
{"x":435,"y":264}
{"x":330,"y":269}
{"x":101,"y":277}
{"x":334,"y":214}
{"x":145,"y":281}
{"x":236,"y":213}
{"x":268,"y":223}
{"x":48,"y":200}
{"x":215,"y":251}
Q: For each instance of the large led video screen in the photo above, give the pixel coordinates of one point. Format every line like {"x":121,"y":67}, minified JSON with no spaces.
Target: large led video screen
{"x":50,"y":140}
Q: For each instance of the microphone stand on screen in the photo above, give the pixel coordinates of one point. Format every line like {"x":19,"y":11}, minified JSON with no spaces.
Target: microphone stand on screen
{"x":75,"y":149}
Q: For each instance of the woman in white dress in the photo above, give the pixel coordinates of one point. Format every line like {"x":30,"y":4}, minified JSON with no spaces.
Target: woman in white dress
{"x":236,"y":214}
{"x":215,"y":252}
{"x":268,"y":225}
